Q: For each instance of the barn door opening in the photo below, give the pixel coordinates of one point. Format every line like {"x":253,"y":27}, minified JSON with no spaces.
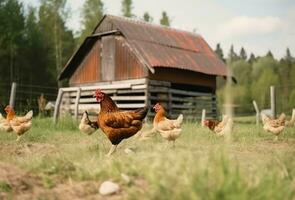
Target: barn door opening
{"x":108,"y":58}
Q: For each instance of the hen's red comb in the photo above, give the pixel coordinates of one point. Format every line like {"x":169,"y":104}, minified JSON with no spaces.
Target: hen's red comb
{"x":98,"y":91}
{"x":157,"y":105}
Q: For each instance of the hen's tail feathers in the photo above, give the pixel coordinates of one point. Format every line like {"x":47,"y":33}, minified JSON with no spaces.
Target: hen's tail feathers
{"x":141,"y":112}
{"x":94,"y":125}
{"x":85,"y":117}
{"x":85,"y":120}
{"x":180,"y":118}
{"x":282,"y":117}
{"x":29,"y":115}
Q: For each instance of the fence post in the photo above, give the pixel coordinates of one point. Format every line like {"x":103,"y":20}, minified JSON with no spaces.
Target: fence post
{"x":273,"y":101}
{"x":12,"y":94}
{"x":257,"y":112}
{"x":203,"y":117}
{"x":77,"y":103}
{"x":293,"y":115}
{"x":57,"y":105}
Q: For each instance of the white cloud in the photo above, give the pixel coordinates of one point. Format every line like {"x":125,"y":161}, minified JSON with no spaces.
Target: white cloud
{"x":242,"y":26}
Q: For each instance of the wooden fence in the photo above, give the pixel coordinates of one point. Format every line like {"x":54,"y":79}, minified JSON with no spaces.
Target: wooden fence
{"x":135,"y":93}
{"x":126,"y":94}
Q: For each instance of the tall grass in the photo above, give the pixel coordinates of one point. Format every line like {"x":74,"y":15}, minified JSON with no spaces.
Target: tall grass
{"x":201,"y":166}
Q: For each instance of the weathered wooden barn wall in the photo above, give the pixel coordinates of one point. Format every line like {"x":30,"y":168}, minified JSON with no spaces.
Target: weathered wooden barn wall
{"x":89,"y":69}
{"x":127,"y":64}
{"x":109,"y":59}
{"x":183,"y":77}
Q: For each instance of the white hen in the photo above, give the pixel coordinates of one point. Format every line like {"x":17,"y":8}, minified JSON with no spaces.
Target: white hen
{"x":169,"y":129}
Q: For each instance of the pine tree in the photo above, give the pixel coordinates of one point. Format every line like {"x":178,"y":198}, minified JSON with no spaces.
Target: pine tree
{"x":35,"y":53}
{"x":232,"y":56}
{"x":252,"y":58}
{"x":288,"y":55}
{"x":127,"y":8}
{"x":243,"y":54}
{"x":269,"y":54}
{"x":56,"y":37}
{"x":165,"y":19}
{"x":285,"y":72}
{"x":219,"y":52}
{"x":147,"y":17}
{"x":11,"y":37}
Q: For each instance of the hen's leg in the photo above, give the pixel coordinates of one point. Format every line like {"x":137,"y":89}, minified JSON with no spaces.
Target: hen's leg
{"x":112,"y":150}
{"x":276,"y":138}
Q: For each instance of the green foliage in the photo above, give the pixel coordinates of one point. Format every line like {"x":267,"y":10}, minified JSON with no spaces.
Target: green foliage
{"x":262,"y":64}
{"x":127,"y":8}
{"x":34,"y":47}
{"x":242,"y":71}
{"x":219,"y":52}
{"x":260,"y":88}
{"x":252,"y":58}
{"x":35,"y":53}
{"x":11,"y":39}
{"x":5,"y":187}
{"x":92,"y":13}
{"x":47,"y":182}
{"x":232,"y":55}
{"x":52,"y":17}
{"x":269,"y":54}
{"x":255,"y":77}
{"x":291,"y":102}
{"x":243,"y":54}
{"x":147,"y":17}
{"x":165,"y":20}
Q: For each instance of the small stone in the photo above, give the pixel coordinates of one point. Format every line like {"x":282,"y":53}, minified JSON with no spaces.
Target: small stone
{"x":108,"y":188}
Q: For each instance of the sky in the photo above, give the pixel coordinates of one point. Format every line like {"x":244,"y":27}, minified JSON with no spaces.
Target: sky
{"x":256,"y":25}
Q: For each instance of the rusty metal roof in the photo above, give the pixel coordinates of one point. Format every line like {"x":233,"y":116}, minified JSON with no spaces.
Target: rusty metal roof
{"x":161,"y":46}
{"x":167,"y":47}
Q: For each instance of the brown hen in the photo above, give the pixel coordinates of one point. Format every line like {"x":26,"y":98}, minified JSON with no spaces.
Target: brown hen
{"x":115,"y":123}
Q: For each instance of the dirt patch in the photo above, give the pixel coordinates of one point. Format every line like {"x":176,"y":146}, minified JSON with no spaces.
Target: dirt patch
{"x":141,"y":184}
{"x":16,"y":183}
{"x":27,"y":148}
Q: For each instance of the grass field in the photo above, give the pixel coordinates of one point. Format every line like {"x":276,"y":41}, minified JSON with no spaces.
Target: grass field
{"x":61,"y":163}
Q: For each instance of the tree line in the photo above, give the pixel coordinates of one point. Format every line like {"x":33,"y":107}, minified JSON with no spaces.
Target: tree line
{"x":36,"y":43}
{"x":255,"y":75}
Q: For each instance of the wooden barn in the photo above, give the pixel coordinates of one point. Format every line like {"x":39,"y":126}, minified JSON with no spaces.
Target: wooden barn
{"x":139,"y":64}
